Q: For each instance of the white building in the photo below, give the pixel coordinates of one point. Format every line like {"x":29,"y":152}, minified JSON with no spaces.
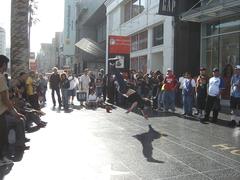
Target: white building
{"x":152,"y":35}
{"x":2,"y":41}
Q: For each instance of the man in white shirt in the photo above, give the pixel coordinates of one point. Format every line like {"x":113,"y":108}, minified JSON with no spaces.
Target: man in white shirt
{"x":73,"y":86}
{"x":215,"y":87}
{"x":84,"y":82}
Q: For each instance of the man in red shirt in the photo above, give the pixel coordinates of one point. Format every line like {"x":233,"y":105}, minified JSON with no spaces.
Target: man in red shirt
{"x":169,"y":87}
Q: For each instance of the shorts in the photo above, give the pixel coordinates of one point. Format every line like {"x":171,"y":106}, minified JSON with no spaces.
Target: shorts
{"x":72,"y":92}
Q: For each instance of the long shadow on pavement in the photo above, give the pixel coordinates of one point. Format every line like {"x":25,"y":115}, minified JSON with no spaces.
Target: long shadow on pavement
{"x":146,"y":140}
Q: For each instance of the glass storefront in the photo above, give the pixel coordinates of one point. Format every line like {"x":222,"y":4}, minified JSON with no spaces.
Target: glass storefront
{"x":220,"y":48}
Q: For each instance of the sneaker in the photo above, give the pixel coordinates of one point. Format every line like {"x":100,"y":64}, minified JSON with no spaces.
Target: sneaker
{"x":5,"y":161}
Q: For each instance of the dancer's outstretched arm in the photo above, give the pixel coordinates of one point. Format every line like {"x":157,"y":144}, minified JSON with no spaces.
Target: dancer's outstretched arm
{"x":132,"y":107}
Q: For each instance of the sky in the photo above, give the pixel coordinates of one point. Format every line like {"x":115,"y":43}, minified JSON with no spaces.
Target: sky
{"x":51,"y":16}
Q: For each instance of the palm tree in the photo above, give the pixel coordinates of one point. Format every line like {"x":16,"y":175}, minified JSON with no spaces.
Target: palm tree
{"x":19,"y":37}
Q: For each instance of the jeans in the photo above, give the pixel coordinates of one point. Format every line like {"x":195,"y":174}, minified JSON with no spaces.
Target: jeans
{"x":160,"y":99}
{"x":58,"y":95}
{"x":65,"y":98}
{"x":99,"y":91}
{"x":169,"y":100}
{"x":187,"y":104}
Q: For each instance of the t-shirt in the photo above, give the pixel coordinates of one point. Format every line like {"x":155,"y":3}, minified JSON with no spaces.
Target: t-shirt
{"x":85,"y":80}
{"x":235,"y":86}
{"x":73,"y":82}
{"x":30,"y":88}
{"x":3,"y":87}
{"x":188,"y":86}
{"x":170,"y":82}
{"x":215,"y":85}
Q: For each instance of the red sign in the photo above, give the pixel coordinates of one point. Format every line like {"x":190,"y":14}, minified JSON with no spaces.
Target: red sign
{"x":119,"y":44}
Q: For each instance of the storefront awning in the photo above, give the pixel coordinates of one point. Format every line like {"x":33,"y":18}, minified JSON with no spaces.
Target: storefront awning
{"x":90,"y":47}
{"x":211,"y":10}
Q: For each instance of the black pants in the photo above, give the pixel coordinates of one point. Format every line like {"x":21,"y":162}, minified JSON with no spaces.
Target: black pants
{"x":212,"y":104}
{"x":58,"y":95}
{"x":33,"y":100}
{"x":3,"y":135}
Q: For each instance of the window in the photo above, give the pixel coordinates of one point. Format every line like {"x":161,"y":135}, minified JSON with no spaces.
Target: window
{"x":101,"y":32}
{"x":143,"y":40}
{"x":158,"y":35}
{"x":139,"y":63}
{"x":139,"y":41}
{"x":132,"y":8}
{"x":134,"y":43}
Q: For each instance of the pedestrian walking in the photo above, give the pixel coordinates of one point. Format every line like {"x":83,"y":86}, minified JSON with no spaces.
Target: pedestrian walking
{"x":84,"y":83}
{"x":64,"y":85}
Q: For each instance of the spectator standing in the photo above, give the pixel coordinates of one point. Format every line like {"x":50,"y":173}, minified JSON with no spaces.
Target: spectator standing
{"x":64,"y":85}
{"x":54,"y":81}
{"x":169,"y":87}
{"x":99,"y":85}
{"x":73,"y":87}
{"x":201,"y":91}
{"x":42,"y":88}
{"x":215,"y":87}
{"x":84,"y":82}
{"x":235,"y":93}
{"x":188,"y":87}
{"x":32,"y":95}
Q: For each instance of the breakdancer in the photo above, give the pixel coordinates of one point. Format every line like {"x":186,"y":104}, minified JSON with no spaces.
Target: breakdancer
{"x":132,"y":96}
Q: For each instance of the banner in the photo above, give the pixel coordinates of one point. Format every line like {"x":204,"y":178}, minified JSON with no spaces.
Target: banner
{"x":119,"y":45}
{"x":167,"y":7}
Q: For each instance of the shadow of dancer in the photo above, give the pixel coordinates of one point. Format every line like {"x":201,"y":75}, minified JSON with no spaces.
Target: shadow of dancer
{"x":4,"y":170}
{"x":146,"y":140}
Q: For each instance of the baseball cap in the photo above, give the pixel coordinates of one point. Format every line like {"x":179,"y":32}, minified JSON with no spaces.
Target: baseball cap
{"x":169,"y":69}
{"x":202,"y":68}
{"x":215,"y":70}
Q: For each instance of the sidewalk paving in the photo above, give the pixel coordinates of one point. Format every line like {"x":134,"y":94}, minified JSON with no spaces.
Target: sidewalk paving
{"x":94,"y":145}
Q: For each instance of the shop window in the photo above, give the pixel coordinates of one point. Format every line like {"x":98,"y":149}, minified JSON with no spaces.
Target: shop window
{"x":158,"y":35}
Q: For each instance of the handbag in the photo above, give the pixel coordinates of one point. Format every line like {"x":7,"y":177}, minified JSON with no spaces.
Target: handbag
{"x":81,"y":96}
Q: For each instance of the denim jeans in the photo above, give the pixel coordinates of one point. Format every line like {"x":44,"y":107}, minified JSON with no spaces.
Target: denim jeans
{"x":169,"y":100}
{"x":99,"y":91}
{"x":65,"y":98}
{"x":187,"y":104}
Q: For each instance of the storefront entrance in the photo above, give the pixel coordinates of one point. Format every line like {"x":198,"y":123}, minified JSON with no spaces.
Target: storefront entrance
{"x":220,"y":48}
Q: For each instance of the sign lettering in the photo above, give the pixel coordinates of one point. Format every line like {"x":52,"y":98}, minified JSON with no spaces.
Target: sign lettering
{"x":167,"y":7}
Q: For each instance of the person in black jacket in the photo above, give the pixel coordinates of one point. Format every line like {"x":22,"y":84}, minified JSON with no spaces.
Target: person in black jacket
{"x":55,"y":86}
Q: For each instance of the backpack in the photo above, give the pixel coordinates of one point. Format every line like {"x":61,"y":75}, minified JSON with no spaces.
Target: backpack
{"x":187,"y":89}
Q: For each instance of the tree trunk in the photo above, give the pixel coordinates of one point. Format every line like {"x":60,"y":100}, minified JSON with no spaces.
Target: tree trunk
{"x":19,"y":37}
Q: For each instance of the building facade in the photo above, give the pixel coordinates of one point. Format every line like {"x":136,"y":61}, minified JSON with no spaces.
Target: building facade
{"x":2,"y":41}
{"x":46,"y":58}
{"x":220,"y":35}
{"x":69,"y":32}
{"x":91,"y":35}
{"x":152,"y":35}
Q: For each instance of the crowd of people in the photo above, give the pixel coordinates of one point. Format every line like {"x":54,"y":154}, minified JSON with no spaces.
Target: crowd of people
{"x":21,"y":98}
